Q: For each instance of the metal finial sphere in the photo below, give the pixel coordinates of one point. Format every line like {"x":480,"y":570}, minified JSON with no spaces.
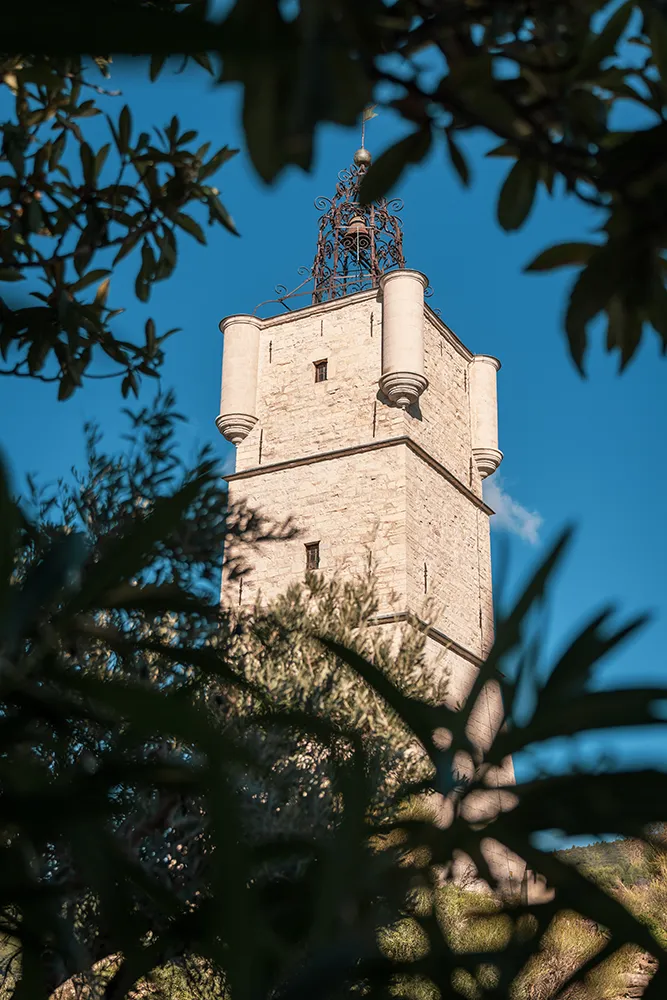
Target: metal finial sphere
{"x":362,"y":157}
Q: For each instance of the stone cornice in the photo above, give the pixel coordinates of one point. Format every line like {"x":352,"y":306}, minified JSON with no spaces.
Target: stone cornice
{"x":333,"y":304}
{"x":431,"y":631}
{"x":316,"y":308}
{"x":448,"y":334}
{"x":358,"y":449}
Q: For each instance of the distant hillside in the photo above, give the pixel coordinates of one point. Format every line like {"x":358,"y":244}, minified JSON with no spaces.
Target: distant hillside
{"x":626,"y":861}
{"x":630,"y":862}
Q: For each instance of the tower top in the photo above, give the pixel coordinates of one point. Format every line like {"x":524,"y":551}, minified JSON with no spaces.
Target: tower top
{"x":356,"y":244}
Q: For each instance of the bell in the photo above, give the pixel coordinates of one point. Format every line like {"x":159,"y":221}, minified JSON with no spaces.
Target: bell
{"x":356,"y":235}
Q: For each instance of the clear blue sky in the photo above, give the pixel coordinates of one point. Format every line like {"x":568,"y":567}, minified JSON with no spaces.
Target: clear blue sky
{"x":588,"y":452}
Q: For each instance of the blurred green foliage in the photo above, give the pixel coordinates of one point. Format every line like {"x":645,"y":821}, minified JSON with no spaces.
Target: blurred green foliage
{"x":70,"y":213}
{"x":251,"y":805}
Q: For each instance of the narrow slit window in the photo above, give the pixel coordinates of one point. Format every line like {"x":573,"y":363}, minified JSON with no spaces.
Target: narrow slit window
{"x":321,"y":370}
{"x":313,"y":555}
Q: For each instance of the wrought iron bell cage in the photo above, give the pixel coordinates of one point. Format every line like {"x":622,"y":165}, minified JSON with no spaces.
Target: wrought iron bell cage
{"x":356,"y":244}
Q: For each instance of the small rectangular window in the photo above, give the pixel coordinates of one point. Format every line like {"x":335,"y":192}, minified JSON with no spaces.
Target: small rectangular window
{"x":313,"y":555}
{"x":321,"y":372}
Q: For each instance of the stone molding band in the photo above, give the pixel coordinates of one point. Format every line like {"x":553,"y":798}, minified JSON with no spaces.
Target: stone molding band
{"x":326,"y":456}
{"x":333,"y":304}
{"x":431,"y":631}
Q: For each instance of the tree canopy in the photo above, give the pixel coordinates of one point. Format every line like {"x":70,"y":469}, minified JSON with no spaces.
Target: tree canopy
{"x":251,"y":805}
{"x":573,"y":91}
{"x":65,"y":204}
{"x":256,"y":800}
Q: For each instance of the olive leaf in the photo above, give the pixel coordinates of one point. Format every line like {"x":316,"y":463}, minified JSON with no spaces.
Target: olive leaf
{"x":517,"y":194}
{"x":387,"y":169}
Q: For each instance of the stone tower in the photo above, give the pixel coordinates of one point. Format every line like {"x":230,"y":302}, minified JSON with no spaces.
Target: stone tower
{"x":360,"y":414}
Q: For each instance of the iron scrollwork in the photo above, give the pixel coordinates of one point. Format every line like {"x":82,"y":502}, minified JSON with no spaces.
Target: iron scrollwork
{"x":356,"y":243}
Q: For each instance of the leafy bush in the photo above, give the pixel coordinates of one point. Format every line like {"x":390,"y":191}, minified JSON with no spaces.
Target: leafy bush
{"x":149,"y":743}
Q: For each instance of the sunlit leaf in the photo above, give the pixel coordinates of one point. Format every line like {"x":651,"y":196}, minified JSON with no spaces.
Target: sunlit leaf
{"x":593,"y":289}
{"x":88,"y":279}
{"x":603,"y":45}
{"x":384,"y":173}
{"x":458,"y":159}
{"x":124,"y":129}
{"x":157,"y":64}
{"x":187,"y":223}
{"x":562,"y":255}
{"x":216,"y":161}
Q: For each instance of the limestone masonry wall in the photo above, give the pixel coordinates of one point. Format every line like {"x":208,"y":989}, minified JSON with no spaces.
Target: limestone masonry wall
{"x":414,"y":513}
{"x":354,"y":506}
{"x":448,"y":561}
{"x":297,"y":416}
{"x":426,"y":534}
{"x":443,"y":428}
